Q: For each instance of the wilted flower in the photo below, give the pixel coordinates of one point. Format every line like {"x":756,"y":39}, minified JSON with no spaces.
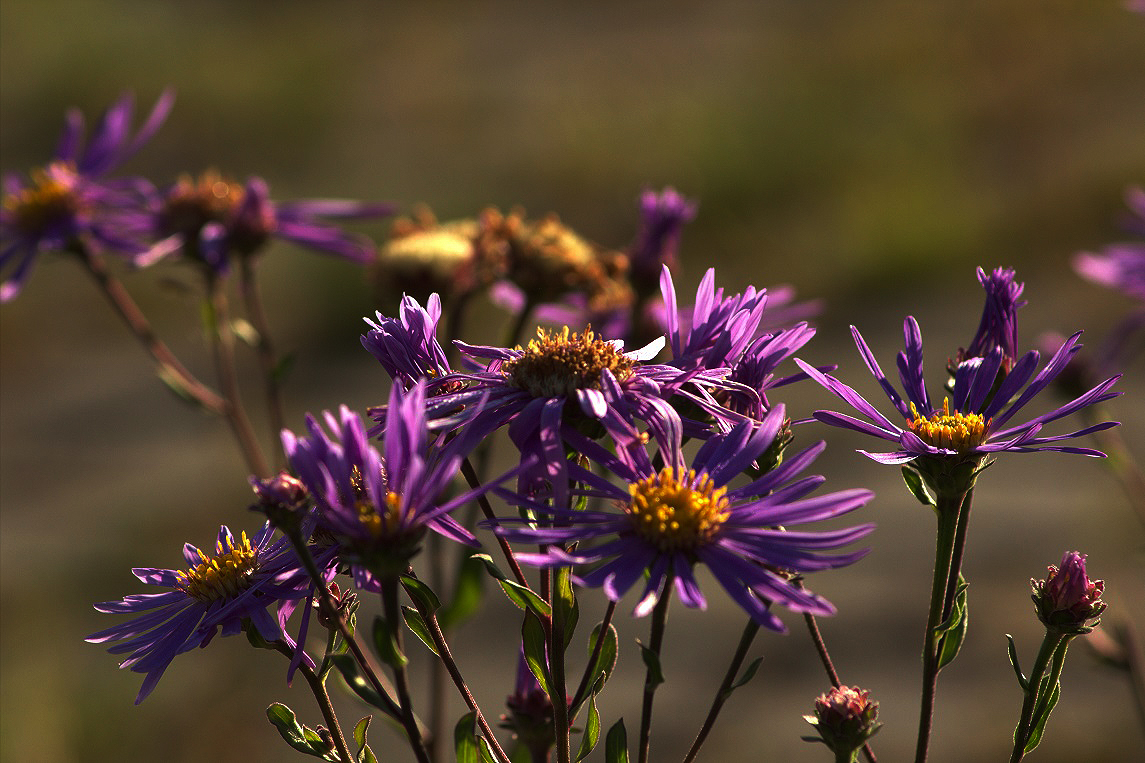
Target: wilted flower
{"x":845,"y":718}
{"x":673,"y":518}
{"x":228,"y":591}
{"x":1066,"y":600}
{"x":70,"y":202}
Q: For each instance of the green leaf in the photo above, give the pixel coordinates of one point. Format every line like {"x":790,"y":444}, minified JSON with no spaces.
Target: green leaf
{"x":348,"y":667}
{"x":917,"y":487}
{"x":591,"y":729}
{"x":386,"y":643}
{"x":486,"y":750}
{"x":365,"y":754}
{"x":523,"y":597}
{"x":745,"y":677}
{"x":652,"y":662}
{"x":616,"y":744}
{"x":1012,"y":650}
{"x":1038,"y":726}
{"x":605,"y":662}
{"x":284,"y":719}
{"x":416,"y":624}
{"x":953,"y":632}
{"x":535,"y":648}
{"x":567,"y":606}
{"x":465,"y":739}
{"x":468,"y":593}
{"x":283,"y":367}
{"x":423,"y":596}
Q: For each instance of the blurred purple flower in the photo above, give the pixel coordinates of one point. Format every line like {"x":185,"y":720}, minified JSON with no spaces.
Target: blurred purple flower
{"x":662,"y":219}
{"x":973,"y":421}
{"x":672,"y":519}
{"x":1120,"y":266}
{"x":69,"y":202}
{"x":220,"y":592}
{"x":211,"y":219}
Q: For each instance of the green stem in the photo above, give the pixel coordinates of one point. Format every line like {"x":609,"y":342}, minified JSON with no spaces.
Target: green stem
{"x":222,"y":345}
{"x":559,"y":698}
{"x":651,"y":680}
{"x":948,"y":512}
{"x":474,"y":482}
{"x":401,"y":680}
{"x":248,"y":285}
{"x":722,"y":694}
{"x":446,"y":657}
{"x":322,"y":697}
{"x":957,"y":554}
{"x":1033,"y":698}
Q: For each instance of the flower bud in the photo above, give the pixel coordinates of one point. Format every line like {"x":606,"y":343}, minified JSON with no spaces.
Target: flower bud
{"x":845,"y":719}
{"x":1066,"y":600}
{"x":282,"y":498}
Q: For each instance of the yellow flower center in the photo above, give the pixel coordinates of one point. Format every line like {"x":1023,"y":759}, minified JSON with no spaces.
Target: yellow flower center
{"x":224,"y":575}
{"x":555,"y":365}
{"x":953,"y":431}
{"x":677,"y":513}
{"x":381,"y":524}
{"x":51,"y":198}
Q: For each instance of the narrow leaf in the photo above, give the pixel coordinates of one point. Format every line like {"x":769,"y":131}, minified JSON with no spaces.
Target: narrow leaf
{"x":1039,"y":724}
{"x":591,"y":729}
{"x":953,"y":631}
{"x":284,"y":719}
{"x":465,"y":739}
{"x":916,"y":486}
{"x":745,"y":677}
{"x":423,"y":596}
{"x":386,"y":644}
{"x":652,"y":662}
{"x":1012,"y":650}
{"x":535,"y":648}
{"x":616,"y":744}
{"x":523,"y":597}
{"x":359,"y":685}
{"x":416,"y":624}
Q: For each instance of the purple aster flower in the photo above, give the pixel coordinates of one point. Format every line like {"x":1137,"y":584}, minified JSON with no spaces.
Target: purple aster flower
{"x":228,"y":592}
{"x":212,"y":218}
{"x":379,"y":509}
{"x":724,"y":332}
{"x":973,"y":421}
{"x":407,"y":346}
{"x":670,"y":520}
{"x":999,"y":324}
{"x":662,"y":219}
{"x":69,"y":203}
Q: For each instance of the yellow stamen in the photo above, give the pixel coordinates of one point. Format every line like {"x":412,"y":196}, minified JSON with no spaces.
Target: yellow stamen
{"x":677,"y":513}
{"x":225,"y":575}
{"x":555,"y":365}
{"x":952,"y":431}
{"x":381,"y":524}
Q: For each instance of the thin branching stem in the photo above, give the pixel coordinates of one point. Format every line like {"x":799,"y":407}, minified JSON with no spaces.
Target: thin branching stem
{"x":322,"y":697}
{"x":474,"y":482}
{"x":401,"y":679}
{"x":722,"y":694}
{"x":653,"y":675}
{"x":170,"y":369}
{"x":264,"y":347}
{"x":583,"y":687}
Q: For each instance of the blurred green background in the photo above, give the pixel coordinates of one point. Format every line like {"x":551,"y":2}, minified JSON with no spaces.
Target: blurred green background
{"x":870,"y":154}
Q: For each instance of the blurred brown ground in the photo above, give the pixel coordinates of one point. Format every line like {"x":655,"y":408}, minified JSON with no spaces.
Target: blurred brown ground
{"x":870,"y":155}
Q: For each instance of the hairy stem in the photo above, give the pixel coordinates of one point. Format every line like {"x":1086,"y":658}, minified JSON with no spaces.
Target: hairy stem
{"x":401,"y":679}
{"x":1033,"y":696}
{"x":651,"y":680}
